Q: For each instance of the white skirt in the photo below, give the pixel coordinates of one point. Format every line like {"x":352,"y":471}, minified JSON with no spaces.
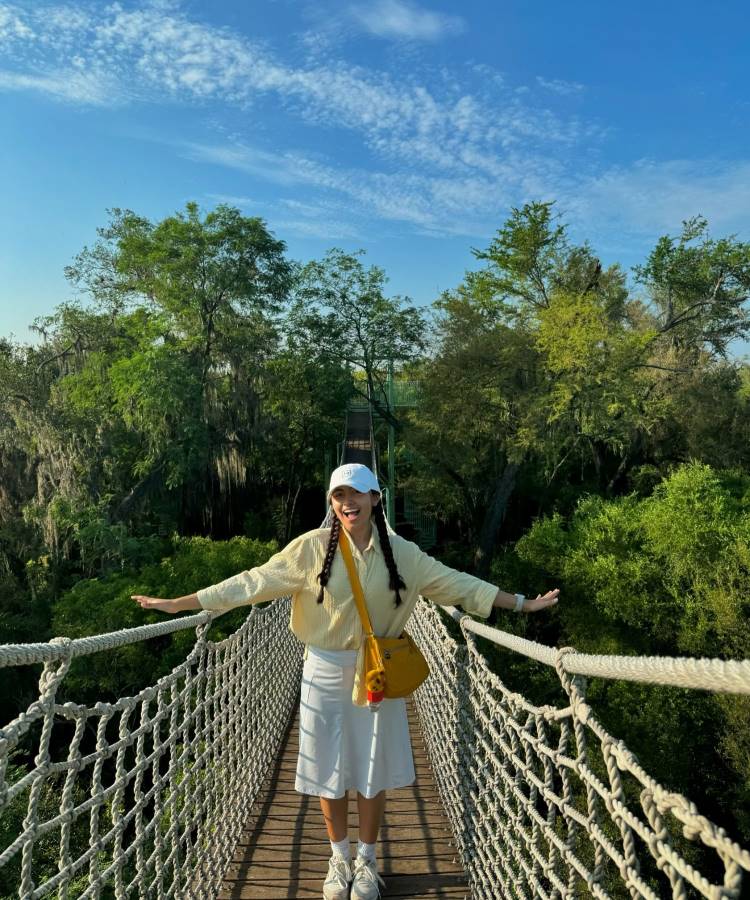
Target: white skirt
{"x":343,"y":746}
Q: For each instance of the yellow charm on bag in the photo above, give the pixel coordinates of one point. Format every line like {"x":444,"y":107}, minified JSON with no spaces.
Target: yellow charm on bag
{"x":393,"y":667}
{"x":374,"y":672}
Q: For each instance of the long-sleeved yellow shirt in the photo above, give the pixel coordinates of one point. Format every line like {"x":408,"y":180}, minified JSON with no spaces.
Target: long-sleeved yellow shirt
{"x":334,"y":624}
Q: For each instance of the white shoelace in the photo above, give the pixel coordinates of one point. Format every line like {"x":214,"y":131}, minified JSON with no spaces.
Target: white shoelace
{"x":368,"y":868}
{"x":339,"y":871}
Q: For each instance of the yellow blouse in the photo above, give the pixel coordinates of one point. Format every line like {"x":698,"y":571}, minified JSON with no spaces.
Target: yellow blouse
{"x":334,"y":624}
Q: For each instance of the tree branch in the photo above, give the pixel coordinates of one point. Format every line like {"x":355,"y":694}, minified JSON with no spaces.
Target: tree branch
{"x":664,"y":368}
{"x":64,"y":352}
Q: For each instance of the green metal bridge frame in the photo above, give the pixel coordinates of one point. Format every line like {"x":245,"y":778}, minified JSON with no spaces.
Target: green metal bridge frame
{"x":360,"y":445}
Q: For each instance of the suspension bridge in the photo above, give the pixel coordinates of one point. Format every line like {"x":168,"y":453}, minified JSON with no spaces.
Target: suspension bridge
{"x":511,"y":800}
{"x":184,"y":789}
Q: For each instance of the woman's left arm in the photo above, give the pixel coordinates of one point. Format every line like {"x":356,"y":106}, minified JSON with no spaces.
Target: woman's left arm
{"x":446,"y":586}
{"x":504,"y":600}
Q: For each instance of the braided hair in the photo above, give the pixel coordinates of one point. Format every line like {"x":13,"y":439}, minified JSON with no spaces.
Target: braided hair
{"x":330,"y":550}
{"x":396,"y":581}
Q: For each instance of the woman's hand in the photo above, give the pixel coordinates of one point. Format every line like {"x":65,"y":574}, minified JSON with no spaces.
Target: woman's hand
{"x":167,"y":606}
{"x":538,"y":603}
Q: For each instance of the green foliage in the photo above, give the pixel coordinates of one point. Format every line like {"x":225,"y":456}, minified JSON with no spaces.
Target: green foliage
{"x":661,"y":575}
{"x":102,"y":545}
{"x":534,"y":362}
{"x":699,"y":285}
{"x":46,"y":855}
{"x":198,"y":270}
{"x":157,"y":393}
{"x":304,"y":400}
{"x":150,"y":402}
{"x":23,"y":619}
{"x":592,"y":364}
{"x":668,"y":565}
{"x":101,"y":605}
{"x":187,"y":778}
{"x":526,"y":255}
{"x":341,"y":314}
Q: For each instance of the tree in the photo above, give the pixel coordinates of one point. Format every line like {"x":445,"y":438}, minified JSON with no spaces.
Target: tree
{"x":662,"y":574}
{"x":304,"y":402}
{"x":206,"y":291}
{"x":530,"y":258}
{"x":698,"y":287}
{"x":340,"y":313}
{"x":495,"y":395}
{"x":574,"y":372}
{"x":207,"y":276}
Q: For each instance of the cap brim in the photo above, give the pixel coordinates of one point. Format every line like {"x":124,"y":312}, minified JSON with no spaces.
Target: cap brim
{"x":346,"y":484}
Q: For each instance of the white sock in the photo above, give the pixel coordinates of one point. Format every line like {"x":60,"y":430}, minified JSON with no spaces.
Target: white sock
{"x":366,"y":850}
{"x":342,"y":848}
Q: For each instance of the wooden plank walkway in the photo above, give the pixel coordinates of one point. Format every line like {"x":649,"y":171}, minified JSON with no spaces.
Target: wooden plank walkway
{"x":284,"y":851}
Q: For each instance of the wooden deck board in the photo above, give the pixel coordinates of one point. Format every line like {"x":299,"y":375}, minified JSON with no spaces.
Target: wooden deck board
{"x":283,"y":852}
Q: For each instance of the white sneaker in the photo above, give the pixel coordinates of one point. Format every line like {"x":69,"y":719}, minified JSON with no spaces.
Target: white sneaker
{"x":338,"y":879}
{"x":366,"y":878}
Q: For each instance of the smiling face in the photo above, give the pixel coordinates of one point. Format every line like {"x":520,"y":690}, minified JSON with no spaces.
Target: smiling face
{"x":353,"y":508}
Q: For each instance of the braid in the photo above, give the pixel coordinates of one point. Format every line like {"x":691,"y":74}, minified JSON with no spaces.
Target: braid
{"x":385,"y":545}
{"x":332,"y":544}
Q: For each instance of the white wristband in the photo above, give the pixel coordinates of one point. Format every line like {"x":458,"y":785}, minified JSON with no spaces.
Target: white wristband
{"x":519,"y":602}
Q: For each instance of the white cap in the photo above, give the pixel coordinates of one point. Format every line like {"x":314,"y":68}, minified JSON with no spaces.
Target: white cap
{"x":355,"y":475}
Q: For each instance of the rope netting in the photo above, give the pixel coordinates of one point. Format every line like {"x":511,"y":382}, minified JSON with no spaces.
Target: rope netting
{"x":154,"y":790}
{"x":543,"y":802}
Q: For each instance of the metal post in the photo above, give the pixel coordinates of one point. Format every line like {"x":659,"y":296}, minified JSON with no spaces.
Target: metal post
{"x":391,"y":510}
{"x":328,"y":476}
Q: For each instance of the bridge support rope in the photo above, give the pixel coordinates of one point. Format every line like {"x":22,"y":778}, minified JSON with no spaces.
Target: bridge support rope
{"x":155,"y":788}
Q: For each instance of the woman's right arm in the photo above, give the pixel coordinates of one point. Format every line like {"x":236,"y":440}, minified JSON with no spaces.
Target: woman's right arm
{"x":178,"y":604}
{"x":282,"y":574}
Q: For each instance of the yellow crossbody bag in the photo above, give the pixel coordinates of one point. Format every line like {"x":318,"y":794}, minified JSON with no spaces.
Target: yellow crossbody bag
{"x":393,"y":667}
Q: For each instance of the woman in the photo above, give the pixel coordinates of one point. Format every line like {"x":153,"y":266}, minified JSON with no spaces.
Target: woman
{"x":345,"y":745}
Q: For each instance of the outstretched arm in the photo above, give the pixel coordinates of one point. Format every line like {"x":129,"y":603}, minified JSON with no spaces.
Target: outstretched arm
{"x":282,"y":574}
{"x":504,"y":600}
{"x":446,"y":586}
{"x":178,"y":604}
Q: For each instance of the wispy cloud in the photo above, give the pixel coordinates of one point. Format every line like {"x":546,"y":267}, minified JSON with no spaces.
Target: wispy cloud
{"x":91,"y":88}
{"x":12,"y":26}
{"x":328,"y":230}
{"x":282,"y":168}
{"x":446,"y":156}
{"x":235,"y":200}
{"x":399,"y":19}
{"x":455,"y":155}
{"x":440,"y":206}
{"x":559,"y":86}
{"x":652,"y":197}
{"x":155,"y":54}
{"x":288,"y":216}
{"x":623,"y":206}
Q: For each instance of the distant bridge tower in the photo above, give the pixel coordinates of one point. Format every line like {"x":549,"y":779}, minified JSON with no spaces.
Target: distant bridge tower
{"x":360,"y":444}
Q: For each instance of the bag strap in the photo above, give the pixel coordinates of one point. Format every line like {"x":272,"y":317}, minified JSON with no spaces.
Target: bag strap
{"x":359,"y":597}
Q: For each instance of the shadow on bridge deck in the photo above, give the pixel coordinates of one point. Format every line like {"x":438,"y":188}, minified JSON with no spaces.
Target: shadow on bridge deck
{"x":284,"y":849}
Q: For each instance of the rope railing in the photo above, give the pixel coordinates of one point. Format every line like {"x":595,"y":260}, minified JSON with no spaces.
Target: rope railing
{"x":543,"y":801}
{"x":155,"y":789}
{"x":59,"y":648}
{"x":726,"y":676}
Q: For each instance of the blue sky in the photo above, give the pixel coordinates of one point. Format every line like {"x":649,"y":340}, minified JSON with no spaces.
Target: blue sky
{"x":408,"y":129}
